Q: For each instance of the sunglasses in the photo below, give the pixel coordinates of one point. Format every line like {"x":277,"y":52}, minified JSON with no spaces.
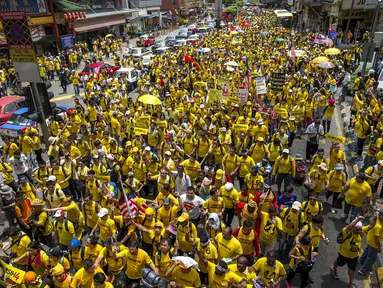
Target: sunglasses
{"x":159,"y":227}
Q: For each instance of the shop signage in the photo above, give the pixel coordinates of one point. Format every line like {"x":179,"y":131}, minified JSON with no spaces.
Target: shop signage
{"x":29,"y":6}
{"x":358,"y":4}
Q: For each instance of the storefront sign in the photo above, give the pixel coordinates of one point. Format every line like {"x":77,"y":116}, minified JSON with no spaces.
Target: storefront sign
{"x":20,"y":45}
{"x":277,"y":81}
{"x":37,"y":31}
{"x":358,"y":4}
{"x":67,"y":41}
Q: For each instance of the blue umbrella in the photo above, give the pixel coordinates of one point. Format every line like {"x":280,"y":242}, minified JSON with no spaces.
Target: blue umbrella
{"x":264,"y":33}
{"x":205,"y":50}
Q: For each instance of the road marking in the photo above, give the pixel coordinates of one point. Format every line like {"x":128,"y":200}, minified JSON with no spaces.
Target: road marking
{"x":62,"y":98}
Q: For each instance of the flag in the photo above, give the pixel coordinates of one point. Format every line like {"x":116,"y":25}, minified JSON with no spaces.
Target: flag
{"x":292,"y":51}
{"x":130,"y":207}
{"x":134,"y":207}
{"x":247,"y":74}
{"x":13,"y":273}
{"x":189,"y":59}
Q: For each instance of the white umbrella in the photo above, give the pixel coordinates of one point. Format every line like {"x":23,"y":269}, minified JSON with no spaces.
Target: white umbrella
{"x":205,"y":50}
{"x":326,"y":65}
{"x":231,"y":63}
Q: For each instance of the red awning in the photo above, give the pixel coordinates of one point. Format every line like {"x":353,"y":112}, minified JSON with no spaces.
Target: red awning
{"x":93,"y":25}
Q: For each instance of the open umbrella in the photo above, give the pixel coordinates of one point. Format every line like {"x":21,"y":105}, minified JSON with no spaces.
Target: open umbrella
{"x":344,"y":46}
{"x":234,"y":32}
{"x":149,"y":100}
{"x":332,"y":51}
{"x":279,"y":39}
{"x":109,"y":35}
{"x":319,"y":60}
{"x":205,"y":50}
{"x":231,"y":63}
{"x":264,"y":33}
{"x":326,"y":65}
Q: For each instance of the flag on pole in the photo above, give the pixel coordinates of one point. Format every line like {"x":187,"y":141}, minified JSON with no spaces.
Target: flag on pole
{"x":292,"y":51}
{"x":129,"y":206}
{"x":247,"y":74}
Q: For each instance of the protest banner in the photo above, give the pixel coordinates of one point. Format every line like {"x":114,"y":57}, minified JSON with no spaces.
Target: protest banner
{"x":140,"y":131}
{"x":214,"y":95}
{"x":243,"y":95}
{"x":277,"y":81}
{"x":224,"y":85}
{"x":240,"y":127}
{"x":260,"y":85}
{"x":13,"y":273}
{"x":335,"y":138}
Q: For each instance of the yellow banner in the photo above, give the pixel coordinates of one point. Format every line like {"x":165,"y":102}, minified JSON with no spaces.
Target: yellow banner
{"x":22,"y":55}
{"x":103,"y":178}
{"x":234,"y":99}
{"x":140,"y":130}
{"x":280,"y":110}
{"x":335,"y":138}
{"x":240,"y":127}
{"x":16,"y":275}
{"x":214,"y":95}
{"x":295,"y":113}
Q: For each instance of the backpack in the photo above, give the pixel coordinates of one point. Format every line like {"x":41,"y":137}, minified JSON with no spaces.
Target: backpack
{"x":320,"y":207}
{"x":299,"y":217}
{"x":340,"y":239}
{"x":46,"y":194}
{"x":305,"y":265}
{"x":65,"y":225}
{"x":149,"y":278}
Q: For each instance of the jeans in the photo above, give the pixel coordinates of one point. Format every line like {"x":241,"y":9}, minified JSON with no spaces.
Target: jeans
{"x":311,"y":149}
{"x":76,"y":88}
{"x":227,"y":216}
{"x":31,"y":160}
{"x":280,"y":178}
{"x":355,"y":211}
{"x":368,"y":259}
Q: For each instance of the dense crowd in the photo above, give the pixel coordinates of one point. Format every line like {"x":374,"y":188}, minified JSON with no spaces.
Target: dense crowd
{"x":149,"y":192}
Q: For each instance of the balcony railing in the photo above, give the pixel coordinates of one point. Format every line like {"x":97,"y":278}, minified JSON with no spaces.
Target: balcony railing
{"x":145,"y":3}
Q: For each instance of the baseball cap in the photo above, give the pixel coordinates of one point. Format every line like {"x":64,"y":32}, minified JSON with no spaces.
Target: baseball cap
{"x":23,"y":179}
{"x":147,"y":148}
{"x":229,"y":186}
{"x":260,"y":122}
{"x":296,"y":205}
{"x":223,"y":129}
{"x":287,"y":151}
{"x":59,"y":213}
{"x":103,"y":212}
{"x":380,"y":163}
{"x":219,"y":174}
{"x":166,"y":202}
{"x":110,"y":157}
{"x":168,"y":153}
{"x":184,"y":217}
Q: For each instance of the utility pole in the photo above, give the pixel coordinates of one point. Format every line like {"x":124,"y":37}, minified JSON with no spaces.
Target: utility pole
{"x":218,"y":12}
{"x":40,"y":110}
{"x":348,"y":20}
{"x":374,"y":22}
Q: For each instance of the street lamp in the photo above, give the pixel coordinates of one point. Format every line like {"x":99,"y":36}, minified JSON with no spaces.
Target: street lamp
{"x":374,"y":22}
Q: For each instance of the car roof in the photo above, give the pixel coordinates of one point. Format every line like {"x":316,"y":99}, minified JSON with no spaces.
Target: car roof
{"x":9,"y":99}
{"x":21,"y":111}
{"x":126,"y":69}
{"x":162,"y":48}
{"x":94,"y":65}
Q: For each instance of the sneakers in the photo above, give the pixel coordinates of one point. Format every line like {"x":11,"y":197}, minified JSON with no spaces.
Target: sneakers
{"x":333,"y":211}
{"x":326,"y":200}
{"x":344,"y":216}
{"x":369,"y":273}
{"x":334,"y":273}
{"x":288,"y":285}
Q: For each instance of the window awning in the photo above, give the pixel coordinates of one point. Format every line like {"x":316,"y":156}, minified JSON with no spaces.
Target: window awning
{"x":68,"y":6}
{"x":91,"y":26}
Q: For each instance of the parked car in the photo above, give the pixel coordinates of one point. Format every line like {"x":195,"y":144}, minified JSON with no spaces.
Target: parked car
{"x":98,"y":67}
{"x":182,"y":35}
{"x":202,"y":31}
{"x":180,"y":43}
{"x":158,"y":44}
{"x":162,"y":50}
{"x":138,"y":52}
{"x":193,"y":38}
{"x":21,"y":117}
{"x":145,"y":40}
{"x":146,"y":60}
{"x":8,"y":106}
{"x":131,"y":73}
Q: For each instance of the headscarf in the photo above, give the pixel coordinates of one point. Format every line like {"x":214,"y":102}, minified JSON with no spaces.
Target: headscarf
{"x":216,"y":223}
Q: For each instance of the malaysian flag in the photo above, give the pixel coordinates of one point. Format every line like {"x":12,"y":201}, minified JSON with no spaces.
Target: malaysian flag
{"x":247,"y":74}
{"x":129,"y":206}
{"x":292,"y":51}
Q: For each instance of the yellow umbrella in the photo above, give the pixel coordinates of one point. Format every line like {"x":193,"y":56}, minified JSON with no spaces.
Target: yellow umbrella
{"x":200,"y":83}
{"x":332,"y":51}
{"x":149,"y":100}
{"x":109,"y":35}
{"x":320,"y":59}
{"x":234,"y":32}
{"x":225,"y":35}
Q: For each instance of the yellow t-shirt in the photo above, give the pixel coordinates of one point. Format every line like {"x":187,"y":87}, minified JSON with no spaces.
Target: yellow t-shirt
{"x":107,"y":228}
{"x":114,"y":265}
{"x":311,"y":210}
{"x":336,"y":181}
{"x":92,"y":252}
{"x":191,"y":169}
{"x":229,"y":197}
{"x":291,"y":221}
{"x":135,"y":263}
{"x":357,"y":192}
{"x":377,"y":231}
{"x":163,"y":262}
{"x":210,"y":252}
{"x":249,"y":276}
{"x":268,"y":231}
{"x":84,"y":279}
{"x":314,"y":234}
{"x":65,"y":235}
{"x":306,"y":253}
{"x":351,"y":247}
{"x":213,"y":206}
{"x":20,"y":247}
{"x":230,"y":162}
{"x":190,"y":279}
{"x":221,"y":281}
{"x":228,"y":248}
{"x":245,"y":164}
{"x":185,"y":244}
{"x":268,"y":273}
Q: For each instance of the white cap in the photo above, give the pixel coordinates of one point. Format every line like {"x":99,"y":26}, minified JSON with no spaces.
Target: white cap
{"x":127,"y":112}
{"x":52,"y":178}
{"x":260,"y":122}
{"x":168,"y":153}
{"x":110,"y":157}
{"x":296,"y":205}
{"x":59,"y":213}
{"x":103,"y":212}
{"x":223,"y":129}
{"x":147,"y":148}
{"x":201,"y":106}
{"x":229,"y":186}
{"x":358,"y":225}
{"x":286,"y":151}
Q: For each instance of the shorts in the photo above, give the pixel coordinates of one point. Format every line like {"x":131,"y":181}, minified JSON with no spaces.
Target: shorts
{"x":132,"y":281}
{"x":119,"y":277}
{"x":352,"y":263}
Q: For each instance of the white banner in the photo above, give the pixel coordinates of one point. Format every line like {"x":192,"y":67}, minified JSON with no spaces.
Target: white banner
{"x":243,"y":95}
{"x":261,"y":85}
